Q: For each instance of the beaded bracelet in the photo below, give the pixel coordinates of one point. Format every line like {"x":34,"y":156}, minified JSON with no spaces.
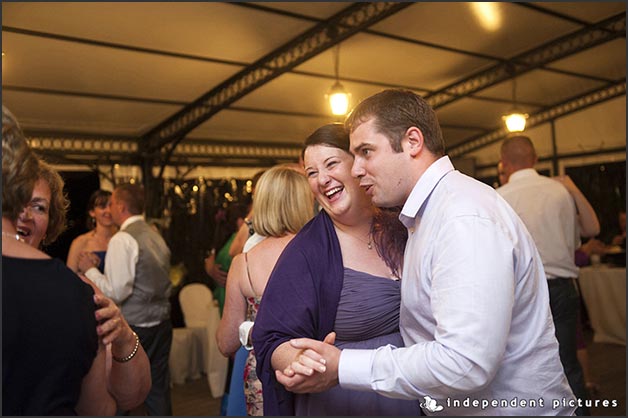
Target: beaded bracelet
{"x":133,"y":353}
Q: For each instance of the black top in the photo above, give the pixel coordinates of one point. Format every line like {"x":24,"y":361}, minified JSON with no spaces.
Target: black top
{"x":49,"y":336}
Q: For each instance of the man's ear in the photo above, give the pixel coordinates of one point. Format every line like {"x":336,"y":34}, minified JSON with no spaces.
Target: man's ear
{"x":414,"y":137}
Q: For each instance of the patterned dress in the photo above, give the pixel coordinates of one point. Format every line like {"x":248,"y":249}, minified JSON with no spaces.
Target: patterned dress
{"x":252,"y":385}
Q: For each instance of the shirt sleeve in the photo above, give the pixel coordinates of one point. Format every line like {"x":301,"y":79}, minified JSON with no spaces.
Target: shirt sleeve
{"x":472,"y":287}
{"x":243,"y":334}
{"x":120,"y":261}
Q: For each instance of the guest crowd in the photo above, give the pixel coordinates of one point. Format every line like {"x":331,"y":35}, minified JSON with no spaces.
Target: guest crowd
{"x":371,"y":278}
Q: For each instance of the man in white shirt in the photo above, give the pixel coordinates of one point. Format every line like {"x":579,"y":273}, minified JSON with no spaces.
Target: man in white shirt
{"x":137,"y":266}
{"x":475,"y":314}
{"x":554,"y":215}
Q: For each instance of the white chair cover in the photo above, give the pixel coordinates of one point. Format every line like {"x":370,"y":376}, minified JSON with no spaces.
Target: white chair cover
{"x":185,"y":356}
{"x":196,"y":301}
{"x":217,"y":364}
{"x":202,"y":316}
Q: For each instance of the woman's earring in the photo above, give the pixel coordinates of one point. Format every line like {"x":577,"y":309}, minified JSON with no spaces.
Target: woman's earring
{"x":93,"y":222}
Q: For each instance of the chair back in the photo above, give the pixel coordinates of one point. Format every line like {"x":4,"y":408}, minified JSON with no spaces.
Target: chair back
{"x":196,"y":301}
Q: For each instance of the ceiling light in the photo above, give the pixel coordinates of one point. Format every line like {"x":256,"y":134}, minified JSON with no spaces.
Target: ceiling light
{"x":516,"y":120}
{"x":338,"y":97}
{"x":488,"y":14}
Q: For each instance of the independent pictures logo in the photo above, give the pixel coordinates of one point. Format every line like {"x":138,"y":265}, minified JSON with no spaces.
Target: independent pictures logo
{"x":430,"y":405}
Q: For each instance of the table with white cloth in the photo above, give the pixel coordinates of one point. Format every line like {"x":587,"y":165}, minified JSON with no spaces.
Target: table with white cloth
{"x":604,"y":292}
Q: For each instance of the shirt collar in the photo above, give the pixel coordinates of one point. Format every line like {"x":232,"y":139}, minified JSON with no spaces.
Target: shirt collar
{"x":522,"y":174}
{"x":130,"y":220}
{"x":423,"y":188}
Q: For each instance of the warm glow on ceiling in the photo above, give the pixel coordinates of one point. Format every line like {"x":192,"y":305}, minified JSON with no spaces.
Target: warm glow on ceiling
{"x":488,"y":15}
{"x":516,"y":121}
{"x":338,"y":99}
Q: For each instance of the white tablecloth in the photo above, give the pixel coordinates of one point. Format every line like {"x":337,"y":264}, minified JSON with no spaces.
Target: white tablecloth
{"x":604,"y":292}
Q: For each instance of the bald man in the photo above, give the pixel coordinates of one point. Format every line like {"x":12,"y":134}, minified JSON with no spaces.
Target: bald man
{"x":549,"y":210}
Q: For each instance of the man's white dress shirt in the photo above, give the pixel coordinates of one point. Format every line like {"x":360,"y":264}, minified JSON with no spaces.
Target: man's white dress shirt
{"x":549,"y":212}
{"x":475,"y":313}
{"x":120,"y":261}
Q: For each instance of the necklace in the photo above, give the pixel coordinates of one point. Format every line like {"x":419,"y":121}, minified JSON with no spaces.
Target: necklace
{"x":16,"y":236}
{"x":369,"y":244}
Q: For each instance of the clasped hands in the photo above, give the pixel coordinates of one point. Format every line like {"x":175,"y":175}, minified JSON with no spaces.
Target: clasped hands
{"x":87,"y":260}
{"x":315,"y":369}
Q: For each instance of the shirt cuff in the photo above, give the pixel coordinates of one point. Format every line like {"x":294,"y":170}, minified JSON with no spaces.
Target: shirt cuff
{"x":354,"y":369}
{"x":243,"y":333}
{"x":92,"y":274}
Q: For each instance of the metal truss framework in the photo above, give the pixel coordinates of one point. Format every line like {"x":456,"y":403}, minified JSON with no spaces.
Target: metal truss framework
{"x":108,"y":151}
{"x":309,"y":44}
{"x":323,"y":36}
{"x":604,"y":31}
{"x":554,"y":112}
{"x":124,"y":151}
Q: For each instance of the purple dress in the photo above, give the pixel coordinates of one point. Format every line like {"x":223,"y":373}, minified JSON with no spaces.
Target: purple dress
{"x":367,"y":317}
{"x":303,"y":299}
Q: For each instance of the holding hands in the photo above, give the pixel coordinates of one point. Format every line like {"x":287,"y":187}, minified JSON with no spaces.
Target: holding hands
{"x":87,"y":260}
{"x":316,"y":367}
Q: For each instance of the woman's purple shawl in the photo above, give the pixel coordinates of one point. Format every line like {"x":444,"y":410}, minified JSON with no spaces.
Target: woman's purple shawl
{"x":300,"y":300}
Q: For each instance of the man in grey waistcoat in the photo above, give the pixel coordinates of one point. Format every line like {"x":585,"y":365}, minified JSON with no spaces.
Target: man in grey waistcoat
{"x":137,"y":266}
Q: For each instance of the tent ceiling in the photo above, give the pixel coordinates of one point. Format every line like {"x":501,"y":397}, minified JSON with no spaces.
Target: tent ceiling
{"x":107,"y":72}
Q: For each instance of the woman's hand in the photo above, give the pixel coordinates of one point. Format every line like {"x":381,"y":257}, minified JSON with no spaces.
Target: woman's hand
{"x":308,"y":360}
{"x":213,"y":269}
{"x":112,"y":327}
{"x":314,"y":356}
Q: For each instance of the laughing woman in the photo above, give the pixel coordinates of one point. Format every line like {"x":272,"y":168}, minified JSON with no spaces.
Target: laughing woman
{"x":42,"y":220}
{"x":339,"y":273}
{"x":52,"y":362}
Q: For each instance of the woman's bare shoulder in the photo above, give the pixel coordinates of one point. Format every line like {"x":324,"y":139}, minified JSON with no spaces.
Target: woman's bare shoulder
{"x":22,"y":250}
{"x":81,"y":239}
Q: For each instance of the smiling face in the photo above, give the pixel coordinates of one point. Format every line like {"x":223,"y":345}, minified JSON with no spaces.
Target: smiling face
{"x":32,"y":223}
{"x":102,"y":213}
{"x":328,"y":170}
{"x":383,"y":173}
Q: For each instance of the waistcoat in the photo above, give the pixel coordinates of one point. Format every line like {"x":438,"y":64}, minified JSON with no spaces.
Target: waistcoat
{"x":149,"y":300}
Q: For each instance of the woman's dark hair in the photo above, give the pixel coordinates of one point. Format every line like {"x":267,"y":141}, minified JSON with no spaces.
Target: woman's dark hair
{"x":20,"y":167}
{"x":390,"y":237}
{"x":59,"y":202}
{"x":331,"y":135}
{"x":389,"y":234}
{"x":98,"y":199}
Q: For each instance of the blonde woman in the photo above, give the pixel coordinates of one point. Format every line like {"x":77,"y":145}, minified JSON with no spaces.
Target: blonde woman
{"x":283,"y":204}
